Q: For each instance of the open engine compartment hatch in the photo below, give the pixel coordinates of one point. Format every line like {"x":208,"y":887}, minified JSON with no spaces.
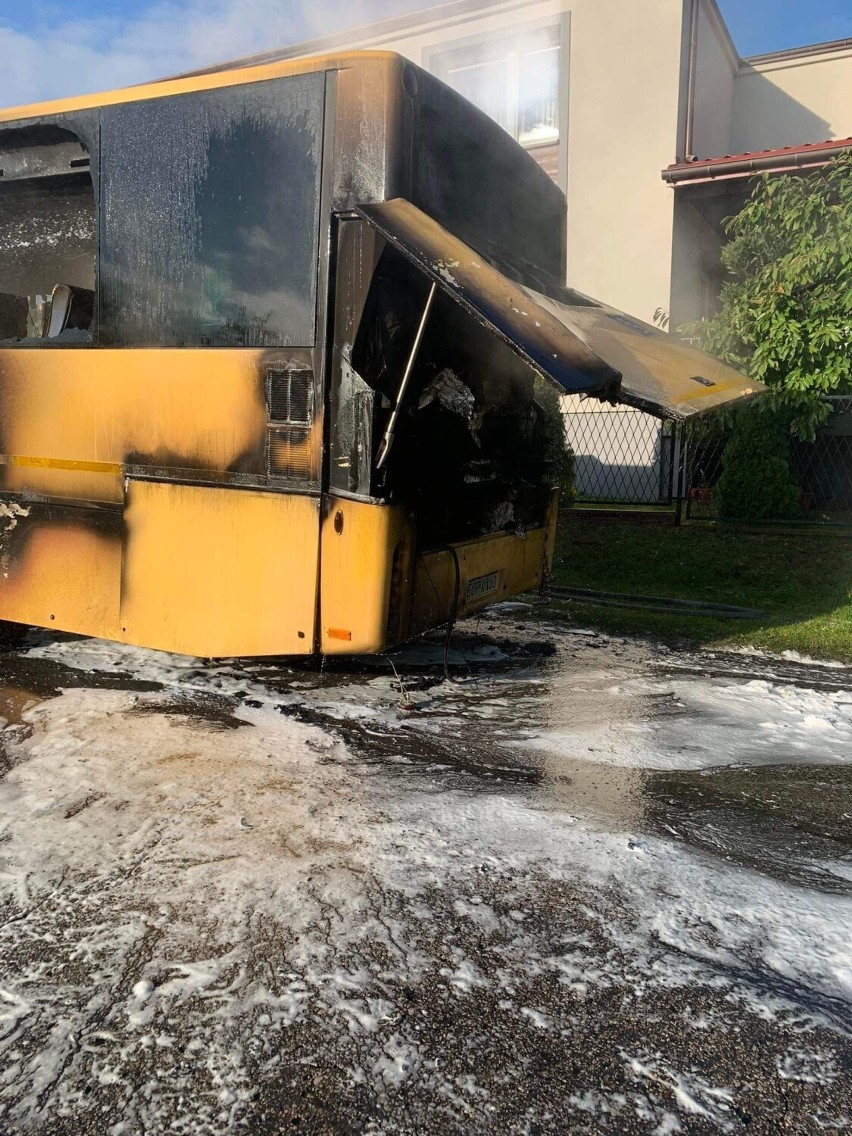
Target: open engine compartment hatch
{"x":576,"y":343}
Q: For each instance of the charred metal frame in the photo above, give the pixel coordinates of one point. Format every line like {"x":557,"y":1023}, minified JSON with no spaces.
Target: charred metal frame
{"x":387,"y":440}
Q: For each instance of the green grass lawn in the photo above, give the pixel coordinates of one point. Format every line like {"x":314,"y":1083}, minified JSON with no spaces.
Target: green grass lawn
{"x":801,"y":580}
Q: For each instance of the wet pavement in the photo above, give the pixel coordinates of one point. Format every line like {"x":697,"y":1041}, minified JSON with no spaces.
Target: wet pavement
{"x":588,"y":885}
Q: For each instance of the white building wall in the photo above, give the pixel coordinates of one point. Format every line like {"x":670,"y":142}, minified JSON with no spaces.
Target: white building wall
{"x":621,"y":63}
{"x":624,"y":103}
{"x":791,"y":101}
{"x":716,"y":68}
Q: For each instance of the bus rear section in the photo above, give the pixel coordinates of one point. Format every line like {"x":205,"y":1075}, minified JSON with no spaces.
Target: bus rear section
{"x":442,"y":455}
{"x":453,"y":338}
{"x":444,"y":434}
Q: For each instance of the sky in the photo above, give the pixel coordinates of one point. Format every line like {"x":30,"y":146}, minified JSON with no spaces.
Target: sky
{"x":47,"y":50}
{"x":758,"y":26}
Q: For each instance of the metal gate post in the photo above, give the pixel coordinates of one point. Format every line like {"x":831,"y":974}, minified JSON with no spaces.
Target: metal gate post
{"x":680,"y":473}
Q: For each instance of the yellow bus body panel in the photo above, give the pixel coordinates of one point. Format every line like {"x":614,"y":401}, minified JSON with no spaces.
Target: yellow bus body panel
{"x":368,"y":571}
{"x":501,"y":566}
{"x":198,"y":570}
{"x":72,"y":418}
{"x":359,"y":540}
{"x":216,"y":572}
{"x":64,"y":574}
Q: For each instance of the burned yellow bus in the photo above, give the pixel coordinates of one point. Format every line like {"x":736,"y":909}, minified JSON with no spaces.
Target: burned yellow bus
{"x":270,"y":343}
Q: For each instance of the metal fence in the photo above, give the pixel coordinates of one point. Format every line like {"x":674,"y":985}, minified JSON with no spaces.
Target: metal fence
{"x":622,"y":456}
{"x":629,"y":458}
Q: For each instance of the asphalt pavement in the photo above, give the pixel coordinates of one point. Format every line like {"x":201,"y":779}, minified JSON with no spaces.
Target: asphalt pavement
{"x":588,"y":885}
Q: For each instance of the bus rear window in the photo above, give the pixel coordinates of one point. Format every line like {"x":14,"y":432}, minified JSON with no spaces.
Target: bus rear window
{"x":210,"y":217}
{"x":47,"y":237}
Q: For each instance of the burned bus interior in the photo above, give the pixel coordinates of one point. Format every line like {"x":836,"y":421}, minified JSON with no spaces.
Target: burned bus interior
{"x":471,"y":452}
{"x":47,"y":233}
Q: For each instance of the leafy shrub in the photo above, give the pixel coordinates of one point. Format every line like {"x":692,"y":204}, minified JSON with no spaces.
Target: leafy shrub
{"x":756,"y":482}
{"x":557,"y":450}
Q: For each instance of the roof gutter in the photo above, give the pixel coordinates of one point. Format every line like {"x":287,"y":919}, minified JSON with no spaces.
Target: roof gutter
{"x":695,"y":173}
{"x":792,"y":53}
{"x":690,"y":87}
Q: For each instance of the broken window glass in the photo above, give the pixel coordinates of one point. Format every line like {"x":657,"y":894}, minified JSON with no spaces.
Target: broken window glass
{"x":47,"y":238}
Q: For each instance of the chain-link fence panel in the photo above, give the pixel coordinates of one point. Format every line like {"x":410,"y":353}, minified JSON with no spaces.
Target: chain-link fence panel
{"x":621,"y":456}
{"x":822,"y":468}
{"x":625,"y":457}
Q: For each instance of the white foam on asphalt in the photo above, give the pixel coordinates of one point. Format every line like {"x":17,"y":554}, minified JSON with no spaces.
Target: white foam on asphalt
{"x":700,"y":723}
{"x":250,"y":881}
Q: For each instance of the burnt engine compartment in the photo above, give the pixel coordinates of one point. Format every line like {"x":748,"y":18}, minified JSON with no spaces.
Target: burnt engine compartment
{"x":472,"y":451}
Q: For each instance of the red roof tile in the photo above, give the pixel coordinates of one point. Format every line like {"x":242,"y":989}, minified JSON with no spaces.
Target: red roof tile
{"x":753,"y":161}
{"x":781,"y":152}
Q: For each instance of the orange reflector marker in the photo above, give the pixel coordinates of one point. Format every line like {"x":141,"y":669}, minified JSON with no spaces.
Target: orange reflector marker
{"x":339,"y":633}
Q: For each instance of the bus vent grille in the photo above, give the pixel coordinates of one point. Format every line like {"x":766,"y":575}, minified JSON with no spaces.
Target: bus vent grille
{"x":290,"y":395}
{"x":288,"y":452}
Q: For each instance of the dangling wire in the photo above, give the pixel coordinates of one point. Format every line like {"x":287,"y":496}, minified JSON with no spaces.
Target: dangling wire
{"x":405,"y":702}
{"x":453,"y":613}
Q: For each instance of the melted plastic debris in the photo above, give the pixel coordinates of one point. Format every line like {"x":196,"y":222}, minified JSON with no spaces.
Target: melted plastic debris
{"x":10,"y":513}
{"x":454,"y":395}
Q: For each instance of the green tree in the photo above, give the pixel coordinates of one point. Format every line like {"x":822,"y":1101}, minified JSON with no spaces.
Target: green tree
{"x":756,"y":482}
{"x":786,"y":313}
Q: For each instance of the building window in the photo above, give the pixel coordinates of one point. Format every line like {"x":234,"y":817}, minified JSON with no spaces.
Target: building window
{"x":513,"y":78}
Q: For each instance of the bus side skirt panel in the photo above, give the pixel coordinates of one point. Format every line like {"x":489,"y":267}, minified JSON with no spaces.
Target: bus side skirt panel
{"x":456,"y":581}
{"x":219,"y":572}
{"x":198,"y":570}
{"x":60,"y":567}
